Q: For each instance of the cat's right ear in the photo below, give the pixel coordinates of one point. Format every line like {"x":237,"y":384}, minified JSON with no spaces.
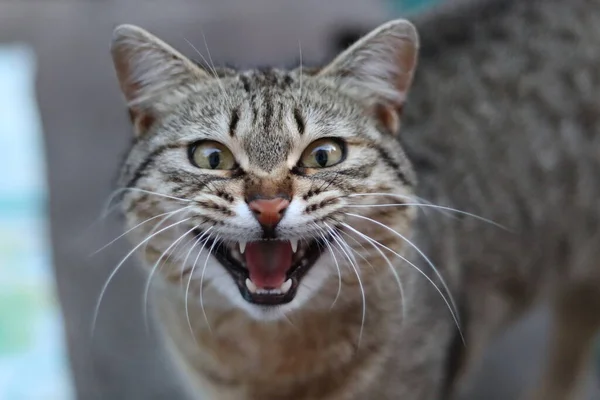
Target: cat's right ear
{"x":379,"y":68}
{"x":152,"y":75}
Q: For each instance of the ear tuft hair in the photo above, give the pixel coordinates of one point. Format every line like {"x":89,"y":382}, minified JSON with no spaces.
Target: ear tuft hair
{"x":152,"y":75}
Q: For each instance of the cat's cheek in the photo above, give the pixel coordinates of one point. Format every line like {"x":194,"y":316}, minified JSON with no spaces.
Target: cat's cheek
{"x":246,"y":224}
{"x":294,"y":216}
{"x":309,"y":291}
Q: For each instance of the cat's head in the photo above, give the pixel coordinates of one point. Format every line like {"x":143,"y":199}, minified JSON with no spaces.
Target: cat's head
{"x":267,"y":171}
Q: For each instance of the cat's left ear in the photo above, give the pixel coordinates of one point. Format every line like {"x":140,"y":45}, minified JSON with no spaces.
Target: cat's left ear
{"x":379,"y":69}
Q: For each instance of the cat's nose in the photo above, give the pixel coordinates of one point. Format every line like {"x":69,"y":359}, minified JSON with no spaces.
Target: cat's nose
{"x":269,"y":212}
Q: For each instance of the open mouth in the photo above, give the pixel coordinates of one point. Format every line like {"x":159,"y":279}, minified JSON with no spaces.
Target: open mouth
{"x":268,"y":272}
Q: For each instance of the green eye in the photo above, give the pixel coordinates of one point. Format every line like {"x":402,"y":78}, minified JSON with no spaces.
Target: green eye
{"x":323,"y":153}
{"x":212,"y":155}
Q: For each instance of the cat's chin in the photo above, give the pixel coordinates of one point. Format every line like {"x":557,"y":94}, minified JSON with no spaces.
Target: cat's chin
{"x":270,"y":289}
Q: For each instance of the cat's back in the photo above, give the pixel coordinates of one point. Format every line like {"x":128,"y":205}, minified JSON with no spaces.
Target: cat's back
{"x":504,"y":121}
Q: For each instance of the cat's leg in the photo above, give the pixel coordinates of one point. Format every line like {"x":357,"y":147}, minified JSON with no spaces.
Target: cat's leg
{"x":478,"y":337}
{"x":489,"y":307}
{"x":576,"y":324}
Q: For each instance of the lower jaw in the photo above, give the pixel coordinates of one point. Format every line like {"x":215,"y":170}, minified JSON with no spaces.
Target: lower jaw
{"x":271,"y":300}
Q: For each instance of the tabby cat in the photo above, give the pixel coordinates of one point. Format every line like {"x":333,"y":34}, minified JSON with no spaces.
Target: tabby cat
{"x":298,"y":256}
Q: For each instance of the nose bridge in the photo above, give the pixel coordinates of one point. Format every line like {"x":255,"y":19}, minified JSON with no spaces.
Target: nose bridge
{"x":268,"y":199}
{"x":268,"y":188}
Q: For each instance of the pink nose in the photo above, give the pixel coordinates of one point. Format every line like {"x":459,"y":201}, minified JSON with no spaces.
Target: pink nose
{"x":269,"y":211}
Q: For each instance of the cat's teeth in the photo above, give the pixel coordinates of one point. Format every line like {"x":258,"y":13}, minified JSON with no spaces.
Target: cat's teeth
{"x":294,"y":243}
{"x":286,"y":286}
{"x":283,"y":289}
{"x":242,"y":247}
{"x":251,"y":286}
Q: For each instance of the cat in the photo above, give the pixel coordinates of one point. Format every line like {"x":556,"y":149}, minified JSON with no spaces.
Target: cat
{"x":503,"y":121}
{"x":309,"y":247}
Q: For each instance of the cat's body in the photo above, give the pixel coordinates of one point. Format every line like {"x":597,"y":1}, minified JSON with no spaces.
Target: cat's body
{"x":490,"y":129}
{"x":504,"y":121}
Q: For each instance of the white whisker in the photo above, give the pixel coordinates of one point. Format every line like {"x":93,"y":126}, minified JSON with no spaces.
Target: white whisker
{"x":190,"y":252}
{"x":202,"y":282}
{"x":411,"y":244}
{"x":357,"y":252}
{"x":159,"y":224}
{"x":343,"y":244}
{"x":211,"y":66}
{"x":203,"y":58}
{"x":108,"y":209}
{"x":389,"y":263}
{"x":116,"y":269}
{"x":399,"y":196}
{"x":426,"y":204}
{"x":154,"y":268}
{"x":184,"y":245}
{"x":448,"y":303}
{"x":170,"y":213}
{"x":118,"y":191}
{"x":187,"y":289}
{"x":489,"y":221}
{"x":102,"y":217}
{"x":337,"y":266}
{"x":360,"y":284}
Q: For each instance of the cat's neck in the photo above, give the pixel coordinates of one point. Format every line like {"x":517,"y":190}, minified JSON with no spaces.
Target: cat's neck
{"x":221,"y":347}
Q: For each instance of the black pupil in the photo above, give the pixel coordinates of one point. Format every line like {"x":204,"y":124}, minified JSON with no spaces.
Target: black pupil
{"x":321,"y":156}
{"x":214,"y":159}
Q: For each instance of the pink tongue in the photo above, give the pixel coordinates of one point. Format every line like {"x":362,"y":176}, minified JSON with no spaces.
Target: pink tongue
{"x":268,"y":262}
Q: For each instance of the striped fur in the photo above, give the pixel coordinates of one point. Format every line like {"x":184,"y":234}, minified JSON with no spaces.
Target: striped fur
{"x":316,"y":346}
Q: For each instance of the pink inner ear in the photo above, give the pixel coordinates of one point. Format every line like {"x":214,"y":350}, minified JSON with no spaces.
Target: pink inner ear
{"x":122,"y":60}
{"x":142,"y":121}
{"x":407,"y":60}
{"x":389,"y":117}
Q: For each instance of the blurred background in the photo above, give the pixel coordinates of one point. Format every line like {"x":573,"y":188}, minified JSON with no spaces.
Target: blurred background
{"x":63,"y":132}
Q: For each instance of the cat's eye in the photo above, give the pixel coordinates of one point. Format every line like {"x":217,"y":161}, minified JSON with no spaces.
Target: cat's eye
{"x":323,"y":153}
{"x":211,"y":155}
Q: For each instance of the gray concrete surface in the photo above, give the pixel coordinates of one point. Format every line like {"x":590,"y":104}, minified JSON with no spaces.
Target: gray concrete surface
{"x":86,"y":133}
